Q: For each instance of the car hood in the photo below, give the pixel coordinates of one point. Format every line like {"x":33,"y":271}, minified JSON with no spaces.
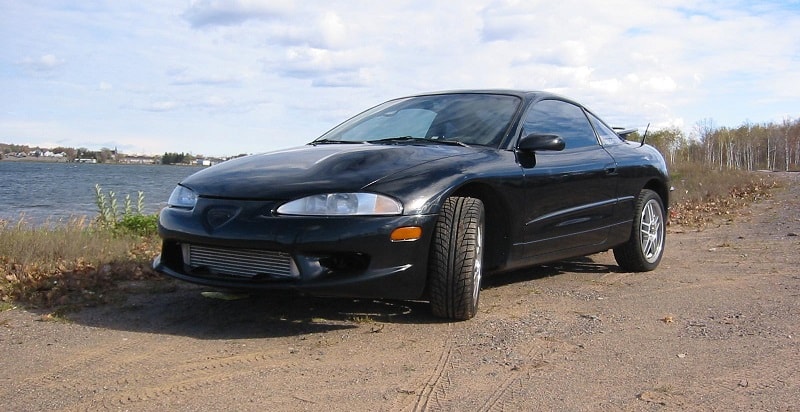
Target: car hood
{"x":311,"y":169}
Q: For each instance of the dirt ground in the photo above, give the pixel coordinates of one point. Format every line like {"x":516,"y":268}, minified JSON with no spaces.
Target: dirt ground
{"x":715,"y":327}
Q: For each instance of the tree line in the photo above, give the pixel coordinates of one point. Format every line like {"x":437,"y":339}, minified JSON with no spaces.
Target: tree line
{"x":764,"y":146}
{"x":176,"y":158}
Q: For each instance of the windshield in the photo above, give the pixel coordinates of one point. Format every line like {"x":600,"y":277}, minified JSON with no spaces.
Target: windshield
{"x":470,"y":118}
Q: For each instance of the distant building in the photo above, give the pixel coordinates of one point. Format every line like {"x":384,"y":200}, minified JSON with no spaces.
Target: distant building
{"x":208,"y":161}
{"x":138,"y":160}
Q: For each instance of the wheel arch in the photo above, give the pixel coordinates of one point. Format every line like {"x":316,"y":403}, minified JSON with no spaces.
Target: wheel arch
{"x":498,"y":224}
{"x":661,"y":188}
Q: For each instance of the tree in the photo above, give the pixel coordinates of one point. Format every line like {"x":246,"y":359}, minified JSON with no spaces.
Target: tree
{"x":667,"y":141}
{"x":176,"y":158}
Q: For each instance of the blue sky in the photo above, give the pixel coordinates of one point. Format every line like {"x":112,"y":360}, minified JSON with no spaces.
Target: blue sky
{"x":223,"y":77}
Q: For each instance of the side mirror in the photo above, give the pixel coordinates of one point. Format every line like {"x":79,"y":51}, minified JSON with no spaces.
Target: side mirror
{"x":534,"y":142}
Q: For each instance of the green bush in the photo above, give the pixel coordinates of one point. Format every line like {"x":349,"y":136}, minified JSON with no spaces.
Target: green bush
{"x":142,"y":225}
{"x":130,"y":221}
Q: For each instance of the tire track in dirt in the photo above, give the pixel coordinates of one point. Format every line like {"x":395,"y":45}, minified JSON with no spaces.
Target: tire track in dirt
{"x":433,"y":390}
{"x":171,"y":380}
{"x":129,"y":371}
{"x":65,"y":381}
{"x":510,"y":394}
{"x":429,"y":393}
{"x":85,"y":358}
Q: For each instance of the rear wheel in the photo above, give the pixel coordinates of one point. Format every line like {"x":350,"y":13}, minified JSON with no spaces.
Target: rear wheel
{"x":643,"y":251}
{"x":456,"y":258}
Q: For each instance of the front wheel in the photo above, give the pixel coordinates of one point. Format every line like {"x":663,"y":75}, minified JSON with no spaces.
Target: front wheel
{"x":643,"y":251}
{"x":455,"y":266}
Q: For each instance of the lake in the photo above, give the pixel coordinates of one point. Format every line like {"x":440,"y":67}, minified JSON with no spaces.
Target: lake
{"x":43,"y":192}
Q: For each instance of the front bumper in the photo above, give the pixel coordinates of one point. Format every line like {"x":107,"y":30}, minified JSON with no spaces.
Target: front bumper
{"x":327,"y":256}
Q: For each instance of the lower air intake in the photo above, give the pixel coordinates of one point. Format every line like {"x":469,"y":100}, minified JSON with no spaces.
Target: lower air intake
{"x":248,"y":263}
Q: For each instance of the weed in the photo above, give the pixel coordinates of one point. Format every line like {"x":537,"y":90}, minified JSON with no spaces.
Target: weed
{"x":58,"y":316}
{"x":362,"y":319}
{"x":131,"y":221}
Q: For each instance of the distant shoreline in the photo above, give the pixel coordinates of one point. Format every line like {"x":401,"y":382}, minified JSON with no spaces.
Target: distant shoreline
{"x":50,"y":159}
{"x":43,"y":159}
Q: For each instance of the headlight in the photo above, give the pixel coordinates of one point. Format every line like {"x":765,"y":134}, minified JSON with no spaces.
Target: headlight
{"x":343,"y":204}
{"x":182,"y":197}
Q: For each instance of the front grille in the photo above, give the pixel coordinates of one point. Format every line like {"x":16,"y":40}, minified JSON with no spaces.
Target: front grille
{"x":248,"y":263}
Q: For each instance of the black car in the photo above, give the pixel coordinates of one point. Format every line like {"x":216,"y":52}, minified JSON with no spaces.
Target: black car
{"x":418,"y":197}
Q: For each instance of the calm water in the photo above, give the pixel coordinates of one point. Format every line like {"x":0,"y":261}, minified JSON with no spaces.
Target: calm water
{"x":42,"y":192}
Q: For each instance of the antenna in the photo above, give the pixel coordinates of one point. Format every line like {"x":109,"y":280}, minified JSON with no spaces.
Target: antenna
{"x":645,"y":135}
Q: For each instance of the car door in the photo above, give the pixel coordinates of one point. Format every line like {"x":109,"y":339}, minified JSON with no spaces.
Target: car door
{"x":570,"y":194}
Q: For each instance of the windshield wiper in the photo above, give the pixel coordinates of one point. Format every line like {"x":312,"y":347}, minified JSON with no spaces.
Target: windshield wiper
{"x":328,"y":141}
{"x":401,"y":139}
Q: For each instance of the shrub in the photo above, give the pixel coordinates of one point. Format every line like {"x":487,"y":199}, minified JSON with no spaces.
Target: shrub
{"x":130,"y":221}
{"x":142,"y":225}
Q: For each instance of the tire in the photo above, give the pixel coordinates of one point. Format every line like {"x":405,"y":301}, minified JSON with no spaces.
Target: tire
{"x":643,"y":251}
{"x":455,"y":265}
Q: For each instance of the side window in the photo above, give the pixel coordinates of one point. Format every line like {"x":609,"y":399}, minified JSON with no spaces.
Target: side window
{"x":607,"y":136}
{"x":561,"y":118}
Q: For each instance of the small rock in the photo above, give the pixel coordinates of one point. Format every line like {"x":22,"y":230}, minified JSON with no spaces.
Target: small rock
{"x":681,"y":355}
{"x":743,"y":383}
{"x":791,"y":234}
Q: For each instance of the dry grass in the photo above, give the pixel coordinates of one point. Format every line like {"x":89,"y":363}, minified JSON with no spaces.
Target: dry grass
{"x":702,"y":195}
{"x":73,"y":263}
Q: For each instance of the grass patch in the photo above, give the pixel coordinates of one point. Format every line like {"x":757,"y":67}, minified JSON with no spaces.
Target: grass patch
{"x":703,"y":195}
{"x":72,"y":264}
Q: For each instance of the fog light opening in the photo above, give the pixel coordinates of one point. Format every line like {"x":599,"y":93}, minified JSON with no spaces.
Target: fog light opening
{"x":406,"y":234}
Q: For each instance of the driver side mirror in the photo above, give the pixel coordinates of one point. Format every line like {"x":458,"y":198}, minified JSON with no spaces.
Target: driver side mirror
{"x":535,"y":142}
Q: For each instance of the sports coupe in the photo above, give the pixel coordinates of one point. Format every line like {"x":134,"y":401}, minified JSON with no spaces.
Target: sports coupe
{"x":419,"y":198}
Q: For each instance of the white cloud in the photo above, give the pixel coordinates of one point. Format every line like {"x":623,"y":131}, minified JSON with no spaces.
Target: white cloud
{"x":308,"y":62}
{"x":162,"y":106}
{"x":202,"y":13}
{"x":660,"y":84}
{"x":45,"y":64}
{"x":333,"y":31}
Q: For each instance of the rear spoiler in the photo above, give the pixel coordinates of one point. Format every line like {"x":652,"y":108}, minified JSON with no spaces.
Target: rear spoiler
{"x":623,"y":133}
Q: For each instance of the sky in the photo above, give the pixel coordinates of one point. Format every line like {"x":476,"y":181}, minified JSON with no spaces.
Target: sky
{"x":226,"y":77}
